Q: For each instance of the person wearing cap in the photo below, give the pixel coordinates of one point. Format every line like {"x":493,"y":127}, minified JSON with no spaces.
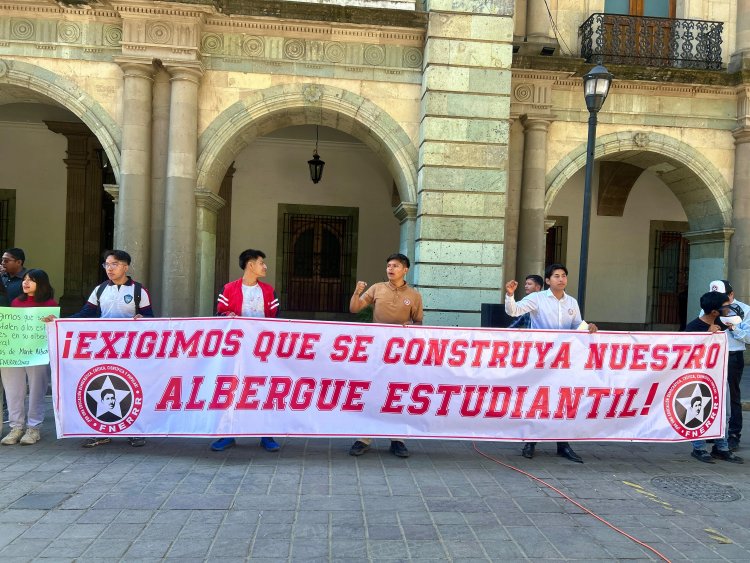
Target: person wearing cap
{"x":739,"y":336}
{"x":714,"y":307}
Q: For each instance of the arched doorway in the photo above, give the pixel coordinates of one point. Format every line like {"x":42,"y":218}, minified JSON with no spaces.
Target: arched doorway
{"x":52,"y":196}
{"x":242,"y":141}
{"x":655,"y":199}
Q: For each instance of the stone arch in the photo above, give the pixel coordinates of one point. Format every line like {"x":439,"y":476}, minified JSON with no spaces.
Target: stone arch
{"x":266,"y":110}
{"x":695,"y":181}
{"x":70,"y":96}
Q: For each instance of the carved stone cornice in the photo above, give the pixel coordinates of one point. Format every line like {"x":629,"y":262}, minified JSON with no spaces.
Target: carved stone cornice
{"x":711,"y":236}
{"x":333,"y":31}
{"x":404,"y":211}
{"x":531,"y":90}
{"x":208,"y":200}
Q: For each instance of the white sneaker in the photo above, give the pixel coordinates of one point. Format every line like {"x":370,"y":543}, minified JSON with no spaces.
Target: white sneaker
{"x":12,"y":437}
{"x":31,"y":437}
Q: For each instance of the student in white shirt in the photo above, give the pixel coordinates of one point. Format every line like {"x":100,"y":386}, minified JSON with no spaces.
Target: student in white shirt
{"x":548,"y":309}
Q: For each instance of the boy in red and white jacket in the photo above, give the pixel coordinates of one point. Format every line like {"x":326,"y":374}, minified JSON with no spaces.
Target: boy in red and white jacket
{"x":248,"y":297}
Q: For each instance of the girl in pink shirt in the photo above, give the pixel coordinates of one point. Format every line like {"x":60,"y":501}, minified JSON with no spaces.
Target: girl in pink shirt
{"x":37,"y":292}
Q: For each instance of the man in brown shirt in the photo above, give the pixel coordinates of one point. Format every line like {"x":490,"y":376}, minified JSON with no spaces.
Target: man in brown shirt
{"x":394,"y":302}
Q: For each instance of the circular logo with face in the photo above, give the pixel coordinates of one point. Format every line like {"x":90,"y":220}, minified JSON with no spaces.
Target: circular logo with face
{"x":109,"y":398}
{"x":692,"y":404}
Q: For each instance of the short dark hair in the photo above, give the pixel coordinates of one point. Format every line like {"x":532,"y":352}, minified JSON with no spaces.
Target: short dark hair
{"x":536,"y":278}
{"x":712,"y":301}
{"x":108,"y":391}
{"x":549,"y":270}
{"x":248,"y":255}
{"x":16,"y":253}
{"x":400,"y":257}
{"x":120,"y":255}
{"x":44,"y":291}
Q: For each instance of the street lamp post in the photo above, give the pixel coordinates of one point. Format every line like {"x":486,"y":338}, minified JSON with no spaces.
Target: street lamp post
{"x":595,"y":88}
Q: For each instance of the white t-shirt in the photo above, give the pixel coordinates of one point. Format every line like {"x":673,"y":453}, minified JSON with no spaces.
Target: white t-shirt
{"x":117,"y":301}
{"x":252,"y":301}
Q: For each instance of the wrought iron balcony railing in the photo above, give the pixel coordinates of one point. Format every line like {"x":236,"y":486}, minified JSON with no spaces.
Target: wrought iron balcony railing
{"x":646,"y":41}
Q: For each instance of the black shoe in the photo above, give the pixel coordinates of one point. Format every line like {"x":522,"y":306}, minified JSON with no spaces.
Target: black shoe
{"x":528,"y":450}
{"x":358,"y":448}
{"x":399,"y":449}
{"x":568,"y":453}
{"x":137,"y":442}
{"x":734,"y":443}
{"x":726,"y":456}
{"x":702,"y":455}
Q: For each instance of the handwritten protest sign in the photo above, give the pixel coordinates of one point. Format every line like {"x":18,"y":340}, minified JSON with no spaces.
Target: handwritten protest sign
{"x":23,"y":336}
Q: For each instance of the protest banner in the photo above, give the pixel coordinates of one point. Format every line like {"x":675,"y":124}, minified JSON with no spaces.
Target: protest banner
{"x":258,"y":377}
{"x":23,"y":336}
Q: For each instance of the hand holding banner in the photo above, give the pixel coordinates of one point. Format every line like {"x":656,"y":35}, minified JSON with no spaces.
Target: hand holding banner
{"x":23,"y":336}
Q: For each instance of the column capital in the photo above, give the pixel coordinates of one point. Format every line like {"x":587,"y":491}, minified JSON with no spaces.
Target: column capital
{"x":710,"y":236}
{"x":535,"y":123}
{"x":136,"y":67}
{"x":741,"y":135}
{"x":181,"y":71}
{"x":209,"y":200}
{"x":405,"y":211}
{"x":113,"y":190}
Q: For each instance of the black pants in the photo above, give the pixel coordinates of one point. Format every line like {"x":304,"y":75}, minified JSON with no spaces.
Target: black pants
{"x":735,"y":365}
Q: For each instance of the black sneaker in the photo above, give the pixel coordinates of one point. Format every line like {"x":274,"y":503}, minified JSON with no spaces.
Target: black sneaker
{"x":702,"y":455}
{"x":358,"y":448}
{"x":726,"y":455}
{"x":734,"y":443}
{"x":399,"y":449}
{"x":137,"y":442}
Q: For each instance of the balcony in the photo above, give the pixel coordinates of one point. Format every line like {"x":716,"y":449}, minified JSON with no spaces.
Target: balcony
{"x":654,"y":42}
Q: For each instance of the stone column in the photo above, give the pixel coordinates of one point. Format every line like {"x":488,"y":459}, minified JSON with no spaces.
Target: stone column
{"x":83,"y":212}
{"x":538,"y":30}
{"x":513,"y":207}
{"x":739,"y":248}
{"x":740,"y":59}
{"x":159,"y":154}
{"x":519,"y":29}
{"x":709,"y":257}
{"x":178,"y":264}
{"x":531,"y":237}
{"x":208,"y":206}
{"x":133,"y":220}
{"x":224,"y":232}
{"x":406,"y":213}
{"x":463,"y":158}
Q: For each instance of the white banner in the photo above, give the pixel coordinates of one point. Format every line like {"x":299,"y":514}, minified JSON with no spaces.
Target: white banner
{"x":269,"y":377}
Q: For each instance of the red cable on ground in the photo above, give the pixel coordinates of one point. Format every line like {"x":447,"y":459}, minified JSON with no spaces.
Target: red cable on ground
{"x":566,"y":497}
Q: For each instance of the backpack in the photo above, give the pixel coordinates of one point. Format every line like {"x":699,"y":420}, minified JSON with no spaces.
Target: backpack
{"x":136,"y":295}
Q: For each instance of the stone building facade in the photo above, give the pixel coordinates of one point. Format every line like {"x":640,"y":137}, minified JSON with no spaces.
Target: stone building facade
{"x":452,"y":130}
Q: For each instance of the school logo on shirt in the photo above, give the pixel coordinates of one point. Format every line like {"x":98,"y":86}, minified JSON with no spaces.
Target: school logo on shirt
{"x":128,"y":299}
{"x":571,"y":312}
{"x":407,"y":302}
{"x":109,"y":398}
{"x":692,"y":404}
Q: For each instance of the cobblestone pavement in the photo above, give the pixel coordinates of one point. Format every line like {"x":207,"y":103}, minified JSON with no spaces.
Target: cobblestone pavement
{"x":174,"y":498}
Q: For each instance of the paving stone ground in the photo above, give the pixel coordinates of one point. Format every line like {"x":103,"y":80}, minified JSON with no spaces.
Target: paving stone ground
{"x":176,"y":499}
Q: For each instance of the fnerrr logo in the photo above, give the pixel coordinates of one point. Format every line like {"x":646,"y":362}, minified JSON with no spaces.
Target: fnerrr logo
{"x":109,"y":398}
{"x":692,"y":404}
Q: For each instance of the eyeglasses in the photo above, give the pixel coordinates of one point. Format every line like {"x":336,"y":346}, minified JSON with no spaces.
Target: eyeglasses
{"x":112,"y":265}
